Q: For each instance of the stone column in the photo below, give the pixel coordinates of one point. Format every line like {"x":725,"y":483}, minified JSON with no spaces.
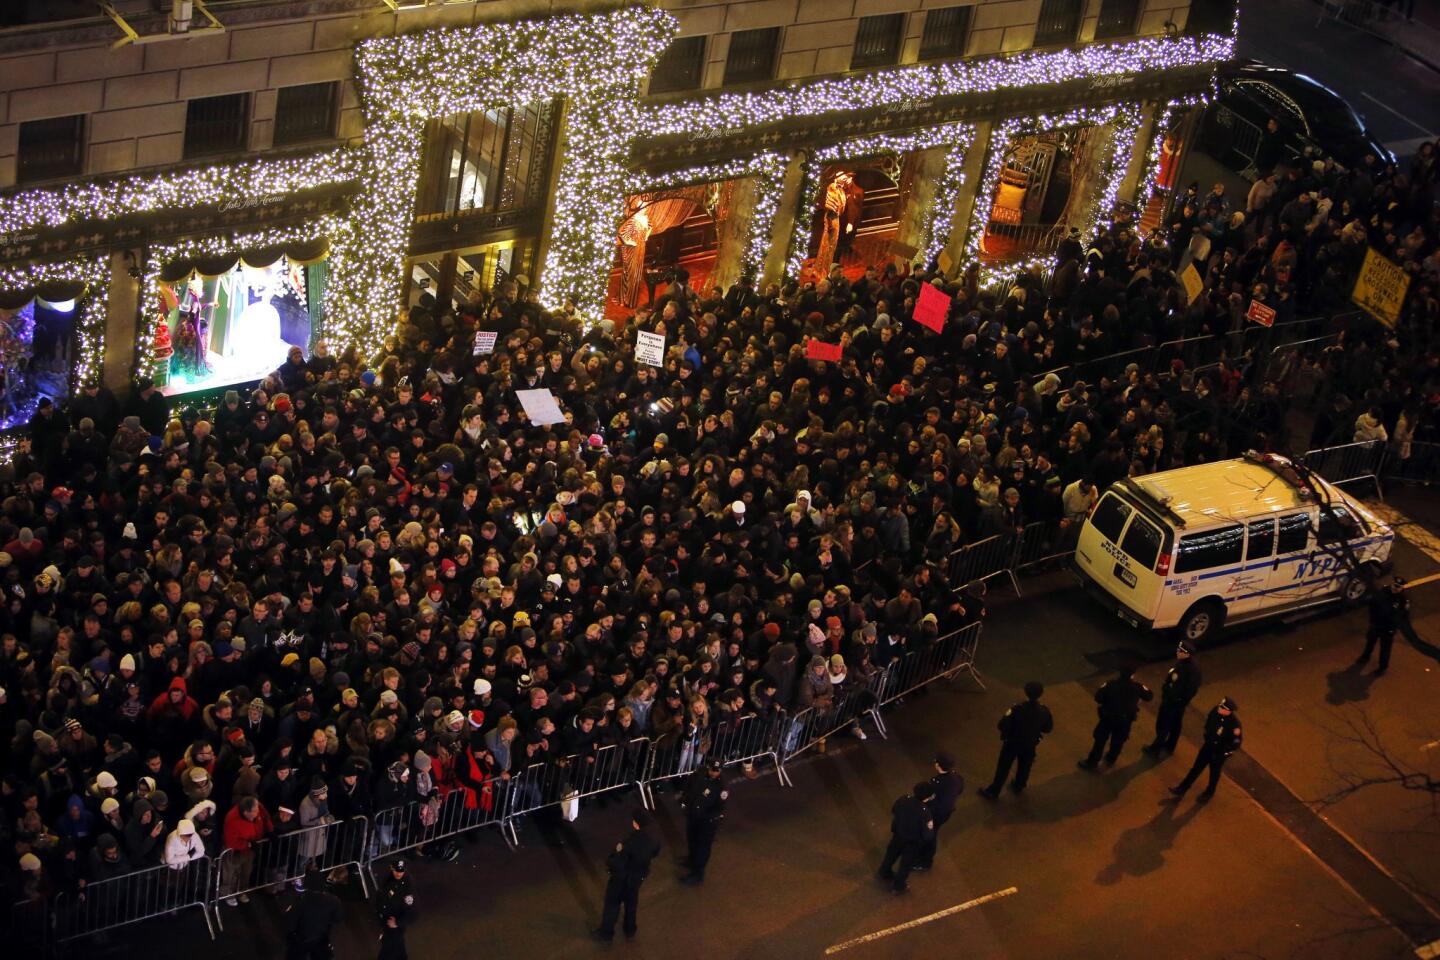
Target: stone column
{"x":919,"y":206}
{"x":734,"y":238}
{"x":1145,"y":135}
{"x":965,"y":200}
{"x":784,"y":224}
{"x":122,"y":325}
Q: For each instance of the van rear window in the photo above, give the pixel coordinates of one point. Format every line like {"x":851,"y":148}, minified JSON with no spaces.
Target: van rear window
{"x":1142,"y":542}
{"x":1336,"y":524}
{"x":1110,"y":516}
{"x":1213,"y":548}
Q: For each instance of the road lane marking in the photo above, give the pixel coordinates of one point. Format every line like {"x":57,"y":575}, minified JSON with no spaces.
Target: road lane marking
{"x":911,"y":924}
{"x":1429,"y":951}
{"x":1421,"y":581}
{"x":1385,"y":106}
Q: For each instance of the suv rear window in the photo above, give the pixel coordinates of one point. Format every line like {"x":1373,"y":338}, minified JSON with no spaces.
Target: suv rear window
{"x":1213,"y":548}
{"x":1110,"y":516}
{"x":1142,"y":542}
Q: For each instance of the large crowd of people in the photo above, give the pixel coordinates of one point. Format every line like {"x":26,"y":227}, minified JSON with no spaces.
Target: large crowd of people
{"x":369,"y":581}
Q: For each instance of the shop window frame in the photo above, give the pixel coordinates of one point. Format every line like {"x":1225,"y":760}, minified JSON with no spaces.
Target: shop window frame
{"x":1059,"y":23}
{"x":297,"y":133}
{"x":758,"y":53}
{"x":38,"y":137}
{"x":956,"y":35}
{"x":209,"y":137}
{"x":878,"y":40}
{"x":681,"y":66}
{"x":1117,"y":19}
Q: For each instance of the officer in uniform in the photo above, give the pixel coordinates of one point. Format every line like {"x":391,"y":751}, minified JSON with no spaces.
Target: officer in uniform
{"x":948,"y":785}
{"x":1222,"y":738}
{"x":1021,"y":729}
{"x":629,"y":865}
{"x":310,"y":920}
{"x":395,"y":904}
{"x":1119,"y":704}
{"x":704,"y":804}
{"x":1181,"y":685}
{"x":1389,"y":610}
{"x":911,"y":828}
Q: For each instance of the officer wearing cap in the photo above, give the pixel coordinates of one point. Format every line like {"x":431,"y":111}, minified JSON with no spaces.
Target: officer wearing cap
{"x":911,"y":828}
{"x":948,"y":786}
{"x":704,"y":804}
{"x":1389,"y":611}
{"x":395,"y":904}
{"x":629,"y":865}
{"x":1222,"y":738}
{"x":1181,"y":685}
{"x":1022,"y":728}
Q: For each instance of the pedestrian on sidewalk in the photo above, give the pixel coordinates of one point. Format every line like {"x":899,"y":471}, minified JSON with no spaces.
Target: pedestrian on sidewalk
{"x":629,"y":865}
{"x":948,"y":786}
{"x":704,"y":804}
{"x":911,"y":828}
{"x":1022,"y":728}
{"x":1119,"y":704}
{"x":1182,"y":682}
{"x":1222,"y":738}
{"x":1389,"y":612}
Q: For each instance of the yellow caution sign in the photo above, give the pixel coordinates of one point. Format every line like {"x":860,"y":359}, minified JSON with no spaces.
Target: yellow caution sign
{"x":1190,"y":277}
{"x":1381,"y":287}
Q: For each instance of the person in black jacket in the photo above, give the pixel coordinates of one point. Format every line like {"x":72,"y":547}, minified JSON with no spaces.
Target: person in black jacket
{"x":629,"y":865}
{"x":1389,"y":610}
{"x":395,"y":902}
{"x":1181,"y":685}
{"x":911,"y":828}
{"x":309,"y":921}
{"x":1222,"y":738}
{"x":704,"y":804}
{"x":948,"y":786}
{"x":1021,"y":729}
{"x":1119,"y":705}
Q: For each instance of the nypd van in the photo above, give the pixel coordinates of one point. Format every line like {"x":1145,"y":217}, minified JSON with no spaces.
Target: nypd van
{"x":1227,"y":542}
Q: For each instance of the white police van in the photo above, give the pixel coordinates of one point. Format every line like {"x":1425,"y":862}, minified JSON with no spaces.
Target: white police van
{"x":1227,"y":542}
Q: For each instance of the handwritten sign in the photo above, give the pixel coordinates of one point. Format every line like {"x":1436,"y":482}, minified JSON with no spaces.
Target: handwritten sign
{"x":819,"y":350}
{"x":649,"y":348}
{"x":485,"y":341}
{"x":1261,"y":314}
{"x":932,"y":307}
{"x":540,"y":406}
{"x":1381,"y":287}
{"x":1190,"y":277}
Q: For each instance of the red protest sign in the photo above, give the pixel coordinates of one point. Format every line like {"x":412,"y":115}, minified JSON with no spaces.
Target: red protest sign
{"x":819,"y":350}
{"x":1261,"y":314}
{"x":932,"y":307}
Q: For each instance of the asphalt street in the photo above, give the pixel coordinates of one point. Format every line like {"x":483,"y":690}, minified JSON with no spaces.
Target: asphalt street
{"x":1299,"y":855}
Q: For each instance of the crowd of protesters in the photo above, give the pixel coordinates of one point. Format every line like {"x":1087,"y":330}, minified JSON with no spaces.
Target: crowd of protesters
{"x":372,"y":581}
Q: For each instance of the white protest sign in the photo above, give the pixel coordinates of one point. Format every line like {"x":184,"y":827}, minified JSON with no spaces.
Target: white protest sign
{"x":485,"y":341}
{"x":540,"y":406}
{"x":649,"y":348}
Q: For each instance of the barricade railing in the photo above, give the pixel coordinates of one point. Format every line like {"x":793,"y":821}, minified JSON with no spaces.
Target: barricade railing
{"x":577,"y":776}
{"x":1349,"y":463}
{"x":814,"y":724}
{"x":947,"y":655}
{"x":117,"y":902}
{"x":26,"y":927}
{"x":419,"y":823}
{"x":1043,"y":541}
{"x":1411,"y":461}
{"x":287,"y":857}
{"x":740,"y":740}
{"x":982,"y":560}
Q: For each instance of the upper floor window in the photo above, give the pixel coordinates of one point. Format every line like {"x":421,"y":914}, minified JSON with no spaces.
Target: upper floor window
{"x":486,"y":160}
{"x":217,"y":124}
{"x":306,"y":112}
{"x":877,"y":41}
{"x":947,"y":32}
{"x":680,"y":67}
{"x":752,"y":55}
{"x":51,"y":148}
{"x":1059,"y":22}
{"x":1117,"y":19}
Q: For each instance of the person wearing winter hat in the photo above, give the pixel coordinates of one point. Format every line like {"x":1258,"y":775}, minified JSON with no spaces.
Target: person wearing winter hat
{"x":183,"y":846}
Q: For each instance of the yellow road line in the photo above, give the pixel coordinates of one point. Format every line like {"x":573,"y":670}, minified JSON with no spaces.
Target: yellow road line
{"x":910,"y":924}
{"x":1421,"y":581}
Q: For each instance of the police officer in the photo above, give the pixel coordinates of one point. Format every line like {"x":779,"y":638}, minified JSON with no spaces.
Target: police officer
{"x":948,"y":786}
{"x":629,"y":865}
{"x":310,"y":920}
{"x":395,"y":904}
{"x":1181,"y":685}
{"x":911,"y":828}
{"x":1389,"y":611}
{"x":1021,"y":729}
{"x":1118,"y":705}
{"x":704,"y":804}
{"x":1222,"y":738}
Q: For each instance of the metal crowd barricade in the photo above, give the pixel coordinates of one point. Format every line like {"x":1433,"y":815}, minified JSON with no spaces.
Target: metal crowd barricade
{"x":743,"y":740}
{"x":950,"y":654}
{"x":1043,"y":541}
{"x":1412,"y":461}
{"x":286,"y":857}
{"x":576,"y":777}
{"x":983,"y":559}
{"x":397,"y":830}
{"x":1112,"y":365}
{"x":26,"y":927}
{"x":1349,"y":463}
{"x":120,"y":901}
{"x":813,"y":724}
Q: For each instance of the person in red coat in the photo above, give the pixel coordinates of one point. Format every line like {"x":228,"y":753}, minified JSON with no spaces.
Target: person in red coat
{"x":247,"y":823}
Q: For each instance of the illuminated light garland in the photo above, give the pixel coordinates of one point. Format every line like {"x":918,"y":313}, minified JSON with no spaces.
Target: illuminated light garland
{"x":955,"y":136}
{"x":596,"y":61}
{"x":89,"y":333}
{"x":161,"y":255}
{"x":174,"y":189}
{"x":1150,"y":176}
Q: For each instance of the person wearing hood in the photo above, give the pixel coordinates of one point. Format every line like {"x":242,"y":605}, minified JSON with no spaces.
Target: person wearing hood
{"x":173,"y":716}
{"x":183,"y":846}
{"x":142,"y":835}
{"x":78,"y":825}
{"x":1369,"y":427}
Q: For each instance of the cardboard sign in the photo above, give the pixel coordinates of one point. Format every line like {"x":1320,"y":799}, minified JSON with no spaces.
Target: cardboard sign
{"x":540,"y":406}
{"x":932,"y":307}
{"x":649,"y":348}
{"x":819,"y":350}
{"x":1190,"y":277}
{"x":945,"y":262}
{"x":485,"y":341}
{"x":1261,"y":314}
{"x":1381,"y":287}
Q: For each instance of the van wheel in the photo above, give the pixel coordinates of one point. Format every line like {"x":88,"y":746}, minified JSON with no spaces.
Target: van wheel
{"x":1359,"y":584}
{"x":1202,"y":621}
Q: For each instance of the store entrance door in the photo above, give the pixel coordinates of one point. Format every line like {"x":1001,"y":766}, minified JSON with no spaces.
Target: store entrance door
{"x":457,"y":278}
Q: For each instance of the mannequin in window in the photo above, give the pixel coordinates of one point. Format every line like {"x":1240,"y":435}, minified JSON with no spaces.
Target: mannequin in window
{"x":843,"y":202}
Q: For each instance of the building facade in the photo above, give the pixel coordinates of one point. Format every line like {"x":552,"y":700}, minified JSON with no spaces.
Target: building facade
{"x":187,"y":189}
